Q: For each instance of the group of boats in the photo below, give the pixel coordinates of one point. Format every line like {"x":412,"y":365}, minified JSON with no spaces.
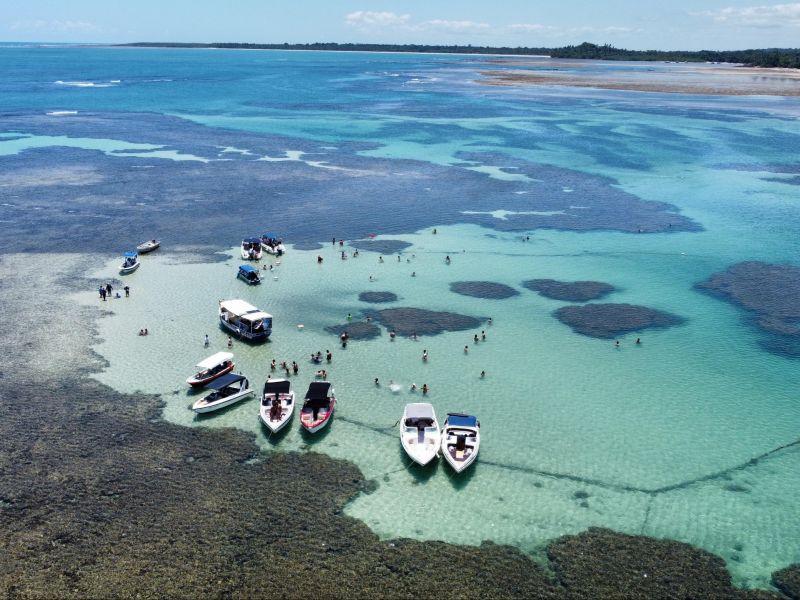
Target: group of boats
{"x":277,"y":400}
{"x":130,"y":260}
{"x":458,"y":440}
{"x":253,"y":248}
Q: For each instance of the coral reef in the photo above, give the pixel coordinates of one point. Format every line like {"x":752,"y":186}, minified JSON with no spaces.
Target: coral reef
{"x":377,"y":297}
{"x":769,"y":292}
{"x":571,"y":291}
{"x":611,"y":320}
{"x":483,"y":289}
{"x":409,"y":321}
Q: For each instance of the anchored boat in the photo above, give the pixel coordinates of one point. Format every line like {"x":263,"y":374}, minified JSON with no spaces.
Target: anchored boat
{"x":271,"y":244}
{"x":461,"y":439}
{"x":212,"y":367}
{"x":249,"y":274}
{"x":129,"y":264}
{"x":226,"y":390}
{"x":245,"y":320}
{"x":318,"y":406}
{"x":251,"y":249}
{"x":277,"y":404}
{"x":419,"y":432}
{"x":148,"y":246}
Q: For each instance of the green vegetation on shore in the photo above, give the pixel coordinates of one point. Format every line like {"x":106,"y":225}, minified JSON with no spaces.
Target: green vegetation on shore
{"x":766,"y":57}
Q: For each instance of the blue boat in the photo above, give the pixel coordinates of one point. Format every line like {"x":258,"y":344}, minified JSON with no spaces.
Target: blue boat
{"x":130,"y":264}
{"x":249,"y":274}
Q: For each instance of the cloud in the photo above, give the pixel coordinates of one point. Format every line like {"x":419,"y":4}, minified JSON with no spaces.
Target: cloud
{"x":552,"y":31}
{"x":454,"y":26}
{"x":367,"y":19}
{"x":774,"y":15}
{"x":40,"y":25}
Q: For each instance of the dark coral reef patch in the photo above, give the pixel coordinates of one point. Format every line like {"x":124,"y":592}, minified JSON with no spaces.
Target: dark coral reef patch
{"x":611,"y":320}
{"x":377,"y":297}
{"x":380,"y":246}
{"x":409,"y":321}
{"x":571,"y":291}
{"x":358,"y":330}
{"x":483,"y":289}
{"x":770,"y":293}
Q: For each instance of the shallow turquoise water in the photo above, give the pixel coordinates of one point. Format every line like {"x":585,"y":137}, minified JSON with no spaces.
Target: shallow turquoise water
{"x":652,"y":439}
{"x":561,"y":413}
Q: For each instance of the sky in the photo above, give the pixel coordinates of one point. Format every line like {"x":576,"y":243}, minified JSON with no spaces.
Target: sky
{"x":633,"y":24}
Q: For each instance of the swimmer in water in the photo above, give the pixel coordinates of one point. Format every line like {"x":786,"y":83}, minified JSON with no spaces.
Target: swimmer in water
{"x":483,"y":374}
{"x":377,"y":383}
{"x":425,"y":355}
{"x":424,"y":388}
{"x":447,"y":259}
{"x":413,"y":273}
{"x":638,"y":341}
{"x":380,"y":259}
{"x":475,"y":339}
{"x":272,"y":365}
{"x":616,"y":344}
{"x":490,"y":320}
{"x":466,"y":349}
{"x":413,"y":387}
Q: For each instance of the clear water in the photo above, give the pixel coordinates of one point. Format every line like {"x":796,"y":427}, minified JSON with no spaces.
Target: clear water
{"x":650,"y":439}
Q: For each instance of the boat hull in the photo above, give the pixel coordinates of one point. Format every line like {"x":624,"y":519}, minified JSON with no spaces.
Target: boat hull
{"x":194,"y":382}
{"x":460,"y":465}
{"x":130,"y":269}
{"x":145,"y":248}
{"x":248,"y":281}
{"x":198,"y":407}
{"x":252,"y":337}
{"x":315,"y":426}
{"x":278,"y":424}
{"x":420,"y":456}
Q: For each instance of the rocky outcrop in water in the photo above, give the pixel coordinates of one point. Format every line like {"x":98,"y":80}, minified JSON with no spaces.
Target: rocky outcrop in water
{"x":788,"y":581}
{"x":770,"y":293}
{"x":409,"y":321}
{"x":483,"y":289}
{"x":356,"y":330}
{"x":611,"y":320}
{"x":377,"y":297}
{"x":571,"y":291}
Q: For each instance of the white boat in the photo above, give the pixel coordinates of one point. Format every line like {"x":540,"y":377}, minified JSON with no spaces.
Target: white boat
{"x":148,"y":246}
{"x":419,"y":432}
{"x":271,"y":244}
{"x":227,"y":390}
{"x":210,"y":368}
{"x":245,"y":320}
{"x":461,"y":439}
{"x":251,"y":249}
{"x":130,"y":264}
{"x":277,"y":404}
{"x":317,"y":406}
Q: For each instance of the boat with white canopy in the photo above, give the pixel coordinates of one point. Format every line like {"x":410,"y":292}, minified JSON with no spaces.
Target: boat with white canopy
{"x":129,"y":264}
{"x":419,"y":432}
{"x":251,"y":248}
{"x":226,"y":390}
{"x":244,"y":320}
{"x":210,"y":368}
{"x":461,"y":439}
{"x":277,"y":404}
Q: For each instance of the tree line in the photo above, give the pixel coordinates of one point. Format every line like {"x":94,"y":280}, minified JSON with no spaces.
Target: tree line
{"x":762,"y":57}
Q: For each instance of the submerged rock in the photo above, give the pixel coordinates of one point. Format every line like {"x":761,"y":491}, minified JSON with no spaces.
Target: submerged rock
{"x":377,"y":297}
{"x":407,"y":321}
{"x":483,"y":289}
{"x":571,"y":291}
{"x":611,"y":320}
{"x":770,"y":293}
{"x":380,"y":246}
{"x":788,"y":581}
{"x":358,"y":330}
{"x":600,"y":563}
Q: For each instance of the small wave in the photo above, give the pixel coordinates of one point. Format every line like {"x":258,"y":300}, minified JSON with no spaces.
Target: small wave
{"x":87,"y":84}
{"x":61,"y":113}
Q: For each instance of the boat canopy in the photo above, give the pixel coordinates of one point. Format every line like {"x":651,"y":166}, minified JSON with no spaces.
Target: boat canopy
{"x":255,"y":316}
{"x":279,"y":386}
{"x":318,"y":390}
{"x":238,"y":307}
{"x":214,"y":360}
{"x":130,"y":255}
{"x":225,"y":381}
{"x":248,"y":269}
{"x":461,"y":420}
{"x":420,"y":410}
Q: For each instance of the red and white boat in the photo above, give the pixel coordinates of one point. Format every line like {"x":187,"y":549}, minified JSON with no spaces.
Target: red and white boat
{"x":317,"y":406}
{"x":212,"y":367}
